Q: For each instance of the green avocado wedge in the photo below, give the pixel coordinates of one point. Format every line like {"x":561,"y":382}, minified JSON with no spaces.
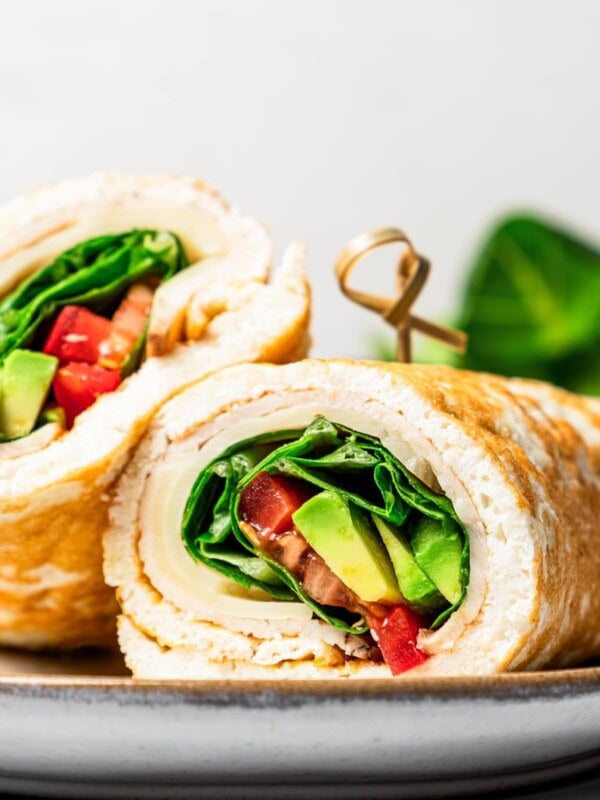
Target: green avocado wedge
{"x":438,"y":552}
{"x":344,"y":538}
{"x":26,"y":380}
{"x":414,"y":584}
{"x":54,"y":414}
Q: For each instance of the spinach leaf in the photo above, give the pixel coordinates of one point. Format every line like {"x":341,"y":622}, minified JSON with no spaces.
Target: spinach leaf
{"x":327,"y":455}
{"x":532,"y":306}
{"x":95,"y":274}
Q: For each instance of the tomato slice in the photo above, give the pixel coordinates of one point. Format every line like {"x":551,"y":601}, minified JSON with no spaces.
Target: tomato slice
{"x":128,"y":323}
{"x":269,"y":501}
{"x":396,"y":635}
{"x":77,"y":335}
{"x":76,"y":386}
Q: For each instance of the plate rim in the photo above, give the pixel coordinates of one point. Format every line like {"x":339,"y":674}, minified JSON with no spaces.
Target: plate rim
{"x":516,"y":686}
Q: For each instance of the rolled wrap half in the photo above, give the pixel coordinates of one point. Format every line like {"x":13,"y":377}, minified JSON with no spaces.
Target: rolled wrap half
{"x":518,"y":462}
{"x":216,"y":312}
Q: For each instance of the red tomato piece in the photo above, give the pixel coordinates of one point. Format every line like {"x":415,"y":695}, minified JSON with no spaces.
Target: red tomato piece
{"x":128,"y":323}
{"x":76,"y":335}
{"x":76,"y":386}
{"x":396,"y":635}
{"x":269,"y":501}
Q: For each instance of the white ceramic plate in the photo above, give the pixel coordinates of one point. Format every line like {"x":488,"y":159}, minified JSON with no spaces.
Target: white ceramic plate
{"x":72,"y":727}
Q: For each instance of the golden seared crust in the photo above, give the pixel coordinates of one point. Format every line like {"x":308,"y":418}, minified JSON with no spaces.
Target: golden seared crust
{"x":553,"y":460}
{"x":53,"y":496}
{"x":519,"y":460}
{"x":51,"y":592}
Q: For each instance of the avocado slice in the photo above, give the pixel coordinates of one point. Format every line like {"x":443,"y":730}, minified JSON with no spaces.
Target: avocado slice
{"x":26,"y":379}
{"x":54,"y":414}
{"x":414,"y":584}
{"x":438,"y":552}
{"x":342,"y":535}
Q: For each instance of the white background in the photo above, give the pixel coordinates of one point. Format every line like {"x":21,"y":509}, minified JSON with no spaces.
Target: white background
{"x":323,"y":117}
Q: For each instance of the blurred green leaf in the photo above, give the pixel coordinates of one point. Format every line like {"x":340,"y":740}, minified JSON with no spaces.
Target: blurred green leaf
{"x":531,"y":308}
{"x":382,"y":346}
{"x":532,"y":305}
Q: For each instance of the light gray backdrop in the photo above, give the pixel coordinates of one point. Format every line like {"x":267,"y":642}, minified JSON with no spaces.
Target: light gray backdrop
{"x":322,"y":117}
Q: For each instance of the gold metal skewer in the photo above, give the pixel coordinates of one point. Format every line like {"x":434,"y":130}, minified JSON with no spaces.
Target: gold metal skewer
{"x":412,"y":272}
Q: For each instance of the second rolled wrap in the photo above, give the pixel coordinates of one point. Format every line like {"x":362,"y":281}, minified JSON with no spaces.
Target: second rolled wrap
{"x":218,"y":311}
{"x":518,"y":462}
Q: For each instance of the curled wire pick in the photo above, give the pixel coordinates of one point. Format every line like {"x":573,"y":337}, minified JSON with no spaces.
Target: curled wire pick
{"x":412,"y":272}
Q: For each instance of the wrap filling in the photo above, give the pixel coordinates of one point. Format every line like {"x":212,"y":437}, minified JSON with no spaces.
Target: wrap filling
{"x":77,"y":327}
{"x":329,"y":516}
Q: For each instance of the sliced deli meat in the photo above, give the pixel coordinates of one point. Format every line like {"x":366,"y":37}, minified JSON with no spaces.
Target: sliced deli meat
{"x":339,"y":518}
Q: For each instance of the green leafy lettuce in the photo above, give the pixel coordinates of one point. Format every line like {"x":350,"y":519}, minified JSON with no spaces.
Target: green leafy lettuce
{"x":329,"y":456}
{"x":94,"y":274}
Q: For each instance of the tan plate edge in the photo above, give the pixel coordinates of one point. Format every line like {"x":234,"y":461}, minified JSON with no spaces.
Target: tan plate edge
{"x":523,"y":685}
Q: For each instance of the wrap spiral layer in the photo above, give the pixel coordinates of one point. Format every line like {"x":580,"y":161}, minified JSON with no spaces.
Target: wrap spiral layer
{"x":217,"y":312}
{"x":519,"y":460}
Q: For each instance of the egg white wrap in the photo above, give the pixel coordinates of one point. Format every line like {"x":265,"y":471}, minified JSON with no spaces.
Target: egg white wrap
{"x":219,"y":311}
{"x":519,"y":460}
